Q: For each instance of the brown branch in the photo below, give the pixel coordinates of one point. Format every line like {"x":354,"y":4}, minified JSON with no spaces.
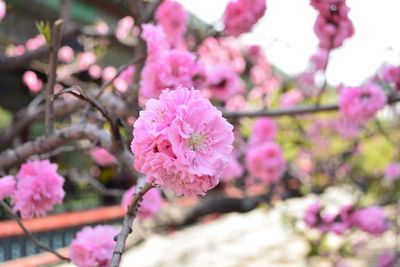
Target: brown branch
{"x":128,"y":221}
{"x":48,"y":143}
{"x":300,"y":110}
{"x":52,"y":74}
{"x":29,"y":235}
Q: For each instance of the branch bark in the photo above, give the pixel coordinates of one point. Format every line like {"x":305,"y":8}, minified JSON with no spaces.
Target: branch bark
{"x":52,"y":75}
{"x":127,"y":223}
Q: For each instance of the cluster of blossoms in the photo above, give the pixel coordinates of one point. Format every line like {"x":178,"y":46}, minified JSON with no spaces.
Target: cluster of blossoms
{"x":241,"y":15}
{"x":391,"y":75}
{"x":333,"y":25}
{"x":150,"y":204}
{"x":36,"y":188}
{"x":176,"y":148}
{"x":173,"y":18}
{"x":264,"y":158}
{"x":370,"y":219}
{"x":126,"y":32}
{"x":165,"y":67}
{"x":93,"y":246}
{"x":360,"y":104}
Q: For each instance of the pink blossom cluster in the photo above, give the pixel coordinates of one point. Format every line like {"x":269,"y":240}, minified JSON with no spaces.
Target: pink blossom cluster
{"x":165,"y":67}
{"x":241,"y":15}
{"x":32,"y":81}
{"x":93,"y":246}
{"x":102,"y":157}
{"x":124,"y":80}
{"x":176,"y":148}
{"x":264,"y":158}
{"x":392,"y":172}
{"x":85,"y":60}
{"x":291,"y":98}
{"x":222,"y":83}
{"x":173,"y":18}
{"x":234,"y":168}
{"x":333,"y":24}
{"x":66,"y":54}
{"x":391,"y":75}
{"x":150,"y":204}
{"x":126,"y":31}
{"x":39,"y":187}
{"x":370,"y":219}
{"x":360,"y":104}
{"x":7,"y":186}
{"x":388,"y":259}
{"x":35,"y":42}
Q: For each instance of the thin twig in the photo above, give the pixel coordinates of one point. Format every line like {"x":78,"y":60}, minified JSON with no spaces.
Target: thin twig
{"x":290,"y":111}
{"x":52,"y":75}
{"x":127,"y":223}
{"x":28,"y":234}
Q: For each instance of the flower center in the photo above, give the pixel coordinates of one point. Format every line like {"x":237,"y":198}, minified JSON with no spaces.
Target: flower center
{"x":196,"y":140}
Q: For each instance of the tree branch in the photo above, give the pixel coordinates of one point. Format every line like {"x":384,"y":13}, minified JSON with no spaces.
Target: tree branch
{"x":29,"y":235}
{"x":300,"y":110}
{"x":128,"y":220}
{"x":55,"y":45}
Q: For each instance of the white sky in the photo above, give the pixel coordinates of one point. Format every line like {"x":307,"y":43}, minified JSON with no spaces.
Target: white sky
{"x":286,"y":33}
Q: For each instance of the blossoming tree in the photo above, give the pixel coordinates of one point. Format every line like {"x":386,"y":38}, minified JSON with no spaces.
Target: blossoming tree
{"x":195,"y":110}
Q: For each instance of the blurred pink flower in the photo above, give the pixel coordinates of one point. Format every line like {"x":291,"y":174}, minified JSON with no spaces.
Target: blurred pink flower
{"x":233,"y":170}
{"x":3,"y":10}
{"x":312,"y":217}
{"x":125,"y":79}
{"x":35,"y":42}
{"x":172,"y":17}
{"x":371,"y":220}
{"x":125,"y":29}
{"x":223,"y":82}
{"x":66,"y":54}
{"x":95,"y":71}
{"x":32,"y":81}
{"x":156,"y":41}
{"x":109,"y":73}
{"x":93,"y":246}
{"x":241,"y":15}
{"x":102,"y":157}
{"x":178,"y":149}
{"x":7,"y":186}
{"x":235,"y":103}
{"x":266,"y":162}
{"x":291,"y":98}
{"x":39,"y":188}
{"x":388,"y":259}
{"x":85,"y":60}
{"x":263,"y":130}
{"x":150,"y":204}
{"x":358,"y":105}
{"x":392,"y":171}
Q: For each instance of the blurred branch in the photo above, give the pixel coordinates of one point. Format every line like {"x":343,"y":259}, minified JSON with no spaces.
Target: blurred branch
{"x":300,"y":110}
{"x":28,"y":234}
{"x":52,"y":74}
{"x":128,"y":221}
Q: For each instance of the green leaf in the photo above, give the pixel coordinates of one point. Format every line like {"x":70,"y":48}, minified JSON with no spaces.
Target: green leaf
{"x":44,"y":28}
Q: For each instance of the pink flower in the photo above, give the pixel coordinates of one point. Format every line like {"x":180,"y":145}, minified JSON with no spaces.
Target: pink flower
{"x":17,"y":50}
{"x":391,"y":74}
{"x":93,"y":246}
{"x":176,"y":148}
{"x":172,"y":17}
{"x":241,"y":15}
{"x":125,"y":79}
{"x":333,"y":25}
{"x":102,"y":157}
{"x":109,"y":73}
{"x":263,"y":130}
{"x":312,"y":216}
{"x":156,"y":41}
{"x":126,"y":31}
{"x":35,"y":42}
{"x":233,"y":170}
{"x":7,"y":186}
{"x":66,"y":54}
{"x":95,"y":71}
{"x":235,"y":103}
{"x":392,"y":172}
{"x":223,"y":82}
{"x":361,"y":104}
{"x":172,"y":69}
{"x":150,"y":204}
{"x":371,"y":220}
{"x":388,"y":259}
{"x":32,"y":81}
{"x":320,"y":59}
{"x":266,"y":162}
{"x":3,"y":9}
{"x":39,"y":188}
{"x":86,"y":59}
{"x":291,"y":98}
